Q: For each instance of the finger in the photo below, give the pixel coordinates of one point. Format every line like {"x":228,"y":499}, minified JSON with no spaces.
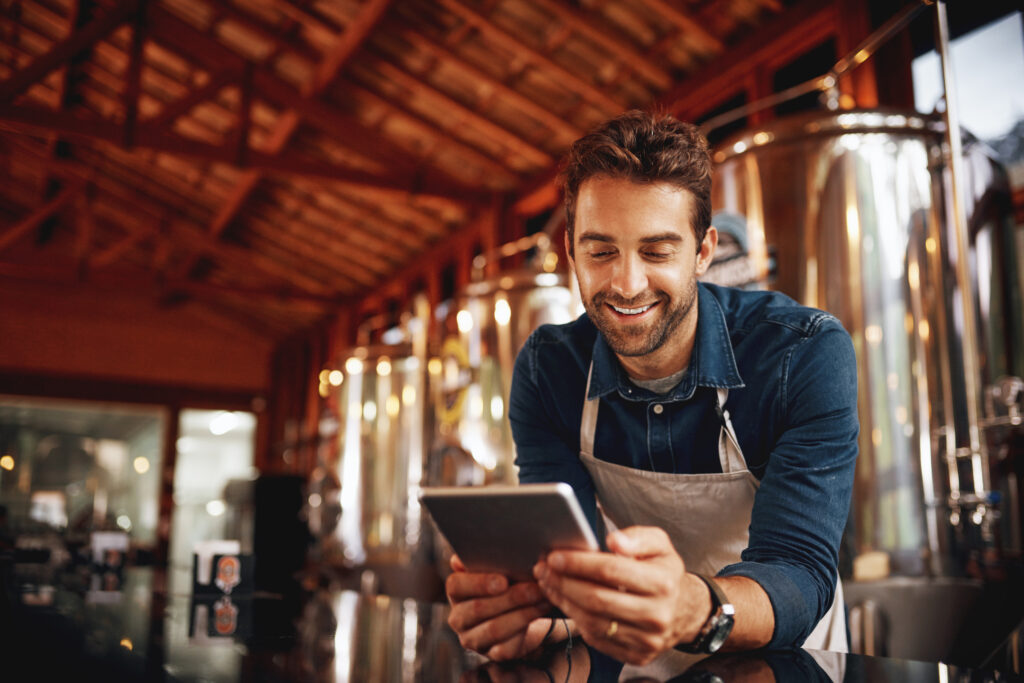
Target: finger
{"x":466,"y":614}
{"x":456,"y":564}
{"x":463,"y":585}
{"x":649,"y":615}
{"x":640,"y":542}
{"x":641,"y":577}
{"x":486,"y":634}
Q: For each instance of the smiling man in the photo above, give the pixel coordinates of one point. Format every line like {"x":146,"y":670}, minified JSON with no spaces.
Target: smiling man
{"x":711,"y":432}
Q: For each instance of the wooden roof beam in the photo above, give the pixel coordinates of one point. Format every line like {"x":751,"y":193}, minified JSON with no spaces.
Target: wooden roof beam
{"x":157,"y":138}
{"x":488,"y":164}
{"x":130,"y":205}
{"x":584,"y":88}
{"x":80,"y":39}
{"x":625,"y":53}
{"x":455,"y":109}
{"x":183,"y":37}
{"x":228,"y":11}
{"x":803,"y":26}
{"x":689,"y":25}
{"x":288,"y":123}
{"x":385,"y":232}
{"x":541,"y":114}
{"x":30,"y":222}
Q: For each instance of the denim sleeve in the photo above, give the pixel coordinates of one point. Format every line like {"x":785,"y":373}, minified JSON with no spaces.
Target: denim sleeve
{"x":801,"y":507}
{"x":546,"y":451}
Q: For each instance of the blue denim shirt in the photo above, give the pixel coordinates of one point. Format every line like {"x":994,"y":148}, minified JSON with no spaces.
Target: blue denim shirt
{"x":792,"y":380}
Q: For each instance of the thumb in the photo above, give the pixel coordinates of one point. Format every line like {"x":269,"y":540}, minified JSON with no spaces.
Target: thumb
{"x":640,"y":541}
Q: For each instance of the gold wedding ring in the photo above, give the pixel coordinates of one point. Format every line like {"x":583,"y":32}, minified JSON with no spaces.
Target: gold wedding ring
{"x":613,"y":628}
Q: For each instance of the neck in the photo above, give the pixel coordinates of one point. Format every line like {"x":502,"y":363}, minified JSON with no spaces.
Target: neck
{"x":669,"y":358}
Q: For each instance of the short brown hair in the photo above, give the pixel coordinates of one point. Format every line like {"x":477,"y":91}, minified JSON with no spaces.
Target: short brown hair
{"x":644,"y":148}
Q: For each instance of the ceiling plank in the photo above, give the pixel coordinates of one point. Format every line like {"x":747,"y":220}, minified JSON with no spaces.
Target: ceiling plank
{"x":625,"y":53}
{"x":184,"y":104}
{"x":493,"y":168}
{"x":453,"y":109}
{"x":690,"y":26}
{"x":136,"y":211}
{"x":587,"y":90}
{"x":351,"y":40}
{"x":133,"y":78}
{"x":30,"y":222}
{"x":541,"y":114}
{"x":288,"y":123}
{"x":352,"y":133}
{"x":61,"y":52}
{"x":404,"y":187}
{"x":806,"y":23}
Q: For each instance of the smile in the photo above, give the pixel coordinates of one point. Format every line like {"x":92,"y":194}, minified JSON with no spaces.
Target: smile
{"x":631,"y":311}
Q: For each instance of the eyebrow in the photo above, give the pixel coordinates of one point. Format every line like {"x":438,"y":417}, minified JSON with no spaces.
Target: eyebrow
{"x":650,"y":239}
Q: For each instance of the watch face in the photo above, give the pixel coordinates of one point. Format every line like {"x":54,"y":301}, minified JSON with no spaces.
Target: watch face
{"x":719,"y":632}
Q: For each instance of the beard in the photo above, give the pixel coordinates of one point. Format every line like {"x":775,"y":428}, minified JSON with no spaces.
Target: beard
{"x":640,"y":339}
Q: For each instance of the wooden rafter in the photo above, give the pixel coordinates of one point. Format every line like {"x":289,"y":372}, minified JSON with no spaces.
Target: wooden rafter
{"x":584,"y":88}
{"x":159,"y":139}
{"x":349,"y":131}
{"x":688,"y":24}
{"x":806,"y":23}
{"x":114,"y":252}
{"x":135,"y":211}
{"x":288,"y":123}
{"x":30,"y":222}
{"x":513,"y":97}
{"x":459,"y":114}
{"x":61,"y":52}
{"x":186,"y":103}
{"x":493,"y":168}
{"x":133,"y":79}
{"x":625,"y":53}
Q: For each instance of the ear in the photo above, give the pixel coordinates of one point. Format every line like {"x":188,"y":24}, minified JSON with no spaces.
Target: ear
{"x":568,"y":251}
{"x":707,"y":250}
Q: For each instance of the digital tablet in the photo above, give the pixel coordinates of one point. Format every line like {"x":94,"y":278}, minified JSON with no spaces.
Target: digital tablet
{"x":506,"y":529}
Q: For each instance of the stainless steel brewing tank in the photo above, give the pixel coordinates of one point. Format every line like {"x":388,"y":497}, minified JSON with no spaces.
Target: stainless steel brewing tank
{"x":382,"y":406}
{"x":854,"y":207}
{"x":486,"y":325}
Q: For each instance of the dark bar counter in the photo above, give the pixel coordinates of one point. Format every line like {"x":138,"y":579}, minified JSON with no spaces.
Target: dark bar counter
{"x":138,"y":633}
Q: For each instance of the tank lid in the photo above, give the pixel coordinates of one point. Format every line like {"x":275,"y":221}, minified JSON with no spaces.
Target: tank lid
{"x":830,"y":123}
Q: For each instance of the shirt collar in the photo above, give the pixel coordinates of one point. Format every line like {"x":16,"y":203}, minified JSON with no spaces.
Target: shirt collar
{"x":712,"y":364}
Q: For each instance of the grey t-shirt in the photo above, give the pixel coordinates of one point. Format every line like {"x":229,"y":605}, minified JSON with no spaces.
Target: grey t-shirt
{"x":661,"y":385}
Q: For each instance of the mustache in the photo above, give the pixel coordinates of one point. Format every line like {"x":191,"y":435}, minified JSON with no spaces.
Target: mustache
{"x":637,"y":301}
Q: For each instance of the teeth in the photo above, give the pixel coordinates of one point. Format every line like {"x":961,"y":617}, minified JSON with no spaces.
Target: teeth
{"x":631,"y":311}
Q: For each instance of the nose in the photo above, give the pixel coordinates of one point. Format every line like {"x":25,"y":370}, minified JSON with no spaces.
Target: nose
{"x":629,"y":278}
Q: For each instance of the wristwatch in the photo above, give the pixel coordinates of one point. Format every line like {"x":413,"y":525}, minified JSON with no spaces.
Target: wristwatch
{"x":716,"y":629}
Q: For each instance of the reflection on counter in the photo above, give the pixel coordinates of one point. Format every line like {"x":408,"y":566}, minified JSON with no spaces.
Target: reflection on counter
{"x":337,"y":636}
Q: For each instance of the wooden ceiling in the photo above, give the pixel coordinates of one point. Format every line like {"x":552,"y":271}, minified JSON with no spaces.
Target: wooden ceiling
{"x":273,"y":160}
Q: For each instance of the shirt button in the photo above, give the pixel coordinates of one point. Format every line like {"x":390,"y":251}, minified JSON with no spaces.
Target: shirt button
{"x":658,"y":409}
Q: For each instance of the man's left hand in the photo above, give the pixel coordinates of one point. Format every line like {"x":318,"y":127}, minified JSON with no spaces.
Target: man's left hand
{"x":633,"y":603}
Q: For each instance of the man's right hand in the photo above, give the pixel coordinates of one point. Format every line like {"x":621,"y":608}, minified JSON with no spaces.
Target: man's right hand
{"x":493,"y":618}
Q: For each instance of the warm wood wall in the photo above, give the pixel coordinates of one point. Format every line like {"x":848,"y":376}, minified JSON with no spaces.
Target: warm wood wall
{"x":61,"y":331}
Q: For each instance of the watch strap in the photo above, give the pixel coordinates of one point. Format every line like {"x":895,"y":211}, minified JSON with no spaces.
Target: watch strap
{"x":718,"y":624}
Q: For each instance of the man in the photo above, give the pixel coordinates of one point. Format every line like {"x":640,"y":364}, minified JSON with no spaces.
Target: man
{"x":716,"y":429}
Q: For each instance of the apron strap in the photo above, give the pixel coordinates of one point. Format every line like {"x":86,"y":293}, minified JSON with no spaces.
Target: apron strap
{"x":588,"y":423}
{"x":729,"y":453}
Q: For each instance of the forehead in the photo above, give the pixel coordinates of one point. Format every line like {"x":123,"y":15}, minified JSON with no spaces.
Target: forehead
{"x":619,"y":207}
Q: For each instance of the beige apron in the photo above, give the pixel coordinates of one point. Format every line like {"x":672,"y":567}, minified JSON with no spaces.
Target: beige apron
{"x":709,"y":516}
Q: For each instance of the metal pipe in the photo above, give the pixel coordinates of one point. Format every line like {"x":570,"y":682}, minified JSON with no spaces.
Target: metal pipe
{"x":978,"y":451}
{"x":829,"y":80}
